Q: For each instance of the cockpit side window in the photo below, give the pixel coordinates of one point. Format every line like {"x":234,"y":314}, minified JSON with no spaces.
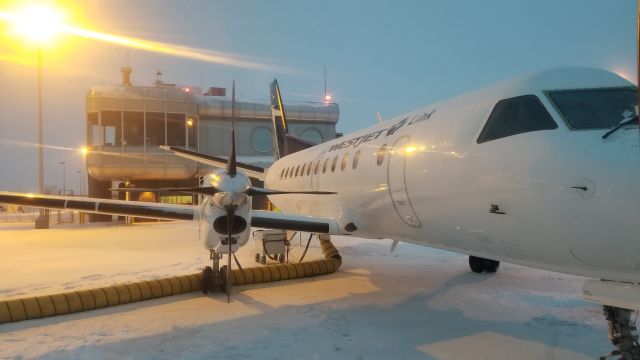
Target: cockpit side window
{"x":514,"y":116}
{"x":603,"y":108}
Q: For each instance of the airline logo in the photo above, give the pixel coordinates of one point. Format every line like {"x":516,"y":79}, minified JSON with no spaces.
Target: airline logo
{"x":387,"y":131}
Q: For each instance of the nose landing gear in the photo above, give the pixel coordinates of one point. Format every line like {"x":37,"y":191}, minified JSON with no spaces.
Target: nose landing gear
{"x":211,"y":274}
{"x":479,"y":265}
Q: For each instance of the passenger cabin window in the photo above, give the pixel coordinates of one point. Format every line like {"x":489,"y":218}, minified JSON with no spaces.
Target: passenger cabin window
{"x":303,"y":168}
{"x":324,"y":167}
{"x":334,"y":163}
{"x":514,"y":116}
{"x":297,"y":169}
{"x":356,"y":158}
{"x":345,"y":160}
{"x":309,"y":168}
{"x":282,"y":174}
{"x":315,"y":169}
{"x":594,"y":108}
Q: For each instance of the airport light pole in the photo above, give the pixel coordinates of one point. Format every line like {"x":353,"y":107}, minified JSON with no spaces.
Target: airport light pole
{"x":40,"y":127}
{"x":64,"y":177}
{"x":79,"y":172}
{"x":38,"y":25}
{"x":84,"y":151}
{"x":43,"y":219}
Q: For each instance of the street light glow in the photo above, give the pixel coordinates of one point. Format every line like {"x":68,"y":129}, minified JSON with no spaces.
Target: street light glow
{"x":41,"y":24}
{"x":37,"y":24}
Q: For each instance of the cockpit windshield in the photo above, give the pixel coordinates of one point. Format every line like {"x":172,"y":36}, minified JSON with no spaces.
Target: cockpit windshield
{"x":595,"y":108}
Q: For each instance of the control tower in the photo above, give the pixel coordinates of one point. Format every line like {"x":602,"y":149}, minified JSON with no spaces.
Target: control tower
{"x":127,"y":123}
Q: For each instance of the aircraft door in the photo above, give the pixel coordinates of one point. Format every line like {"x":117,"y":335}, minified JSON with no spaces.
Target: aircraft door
{"x":397,"y":185}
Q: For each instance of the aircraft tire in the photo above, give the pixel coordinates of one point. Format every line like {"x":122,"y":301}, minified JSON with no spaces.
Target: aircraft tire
{"x":476,"y":264}
{"x":207,"y":279}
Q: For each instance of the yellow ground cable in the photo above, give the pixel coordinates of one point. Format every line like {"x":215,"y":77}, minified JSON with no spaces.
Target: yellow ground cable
{"x":83,"y":300}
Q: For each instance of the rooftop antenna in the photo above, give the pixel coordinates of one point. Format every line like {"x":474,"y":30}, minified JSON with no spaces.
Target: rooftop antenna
{"x":158,"y":76}
{"x":324,"y":74}
{"x":324,"y":71}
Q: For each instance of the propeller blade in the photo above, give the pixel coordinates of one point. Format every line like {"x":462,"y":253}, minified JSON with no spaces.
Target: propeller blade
{"x":230,"y":213}
{"x":260,"y":191}
{"x":231,"y":163}
{"x":207,"y":190}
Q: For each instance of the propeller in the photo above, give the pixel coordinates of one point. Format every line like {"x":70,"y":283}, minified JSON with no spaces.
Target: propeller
{"x":230,"y":212}
{"x":231,"y":171}
{"x":210,"y":190}
{"x":205,"y":190}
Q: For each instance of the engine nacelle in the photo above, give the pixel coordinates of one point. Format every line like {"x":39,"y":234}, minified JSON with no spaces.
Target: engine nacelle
{"x":213,"y":226}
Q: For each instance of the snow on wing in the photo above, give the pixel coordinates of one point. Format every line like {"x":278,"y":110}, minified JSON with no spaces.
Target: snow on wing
{"x":102,"y":206}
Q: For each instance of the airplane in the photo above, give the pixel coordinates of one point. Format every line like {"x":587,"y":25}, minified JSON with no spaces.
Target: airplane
{"x":541,"y":170}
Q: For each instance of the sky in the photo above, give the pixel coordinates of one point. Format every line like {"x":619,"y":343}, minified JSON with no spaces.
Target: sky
{"x":389,"y":57}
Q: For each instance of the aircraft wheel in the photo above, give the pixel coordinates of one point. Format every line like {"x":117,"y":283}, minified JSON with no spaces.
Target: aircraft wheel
{"x":257,"y":258}
{"x":281,"y":258}
{"x":491,"y":266}
{"x":263,"y":260}
{"x":476,"y":264}
{"x":207,"y":279}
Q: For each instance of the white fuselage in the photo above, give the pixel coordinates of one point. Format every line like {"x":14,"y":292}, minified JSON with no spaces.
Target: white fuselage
{"x":423,"y":178}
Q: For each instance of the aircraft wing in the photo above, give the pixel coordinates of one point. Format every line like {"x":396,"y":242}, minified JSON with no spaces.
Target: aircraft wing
{"x":250,"y":170}
{"x":102,"y":206}
{"x":285,"y":221}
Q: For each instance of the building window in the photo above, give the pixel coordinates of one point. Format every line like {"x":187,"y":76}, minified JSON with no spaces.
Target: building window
{"x":93,"y":130}
{"x":176,"y":130}
{"x":192,"y":131}
{"x":177,"y":199}
{"x":356,"y":158}
{"x":111,"y":128}
{"x":514,"y":116}
{"x":381,"y":154}
{"x":334,"y":163}
{"x":262,"y":139}
{"x":155,"y":129}
{"x":312,"y":135}
{"x":345,"y":160}
{"x":133,"y":128}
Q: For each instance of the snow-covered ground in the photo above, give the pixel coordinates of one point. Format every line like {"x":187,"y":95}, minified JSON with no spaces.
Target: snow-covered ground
{"x":417,"y":303}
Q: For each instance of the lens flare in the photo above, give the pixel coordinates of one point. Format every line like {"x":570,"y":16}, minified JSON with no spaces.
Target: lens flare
{"x":40,"y":25}
{"x":37,"y":24}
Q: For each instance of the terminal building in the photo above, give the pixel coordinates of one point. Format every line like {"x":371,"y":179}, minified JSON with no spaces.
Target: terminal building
{"x":126,"y":124}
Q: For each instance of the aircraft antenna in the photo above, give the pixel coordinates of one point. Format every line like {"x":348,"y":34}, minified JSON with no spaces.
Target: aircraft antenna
{"x":324,"y":75}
